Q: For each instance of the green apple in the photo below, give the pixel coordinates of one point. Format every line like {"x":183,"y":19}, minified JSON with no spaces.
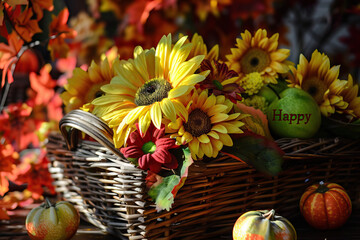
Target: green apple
{"x":268,"y":94}
{"x":268,"y":91}
{"x":295,"y":114}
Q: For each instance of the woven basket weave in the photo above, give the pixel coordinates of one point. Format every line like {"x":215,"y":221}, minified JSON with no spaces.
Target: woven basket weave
{"x":110,"y":192}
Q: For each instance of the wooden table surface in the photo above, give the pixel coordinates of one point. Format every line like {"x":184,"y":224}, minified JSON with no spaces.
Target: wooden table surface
{"x":14,"y":229}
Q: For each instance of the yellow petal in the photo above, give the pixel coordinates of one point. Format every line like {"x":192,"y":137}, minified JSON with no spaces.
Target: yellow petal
{"x":118,"y":89}
{"x":226,"y":140}
{"x":187,"y":137}
{"x":167,"y":107}
{"x":219,"y":128}
{"x":214,"y":53}
{"x":213,"y":134}
{"x":184,"y":69}
{"x":144,"y":122}
{"x":207,"y":149}
{"x":210,"y":102}
{"x":181,"y":110}
{"x":217,"y":144}
{"x":150,"y":62}
{"x":156,"y":115}
{"x":232,"y":128}
{"x":162,"y":54}
{"x":140,"y":63}
{"x":201,"y":98}
{"x":219,"y":118}
{"x":193,"y":79}
{"x":134,"y":114}
{"x":179,"y":91}
{"x":204,"y":138}
{"x":216,"y":109}
{"x":128,"y":75}
{"x":194,"y":145}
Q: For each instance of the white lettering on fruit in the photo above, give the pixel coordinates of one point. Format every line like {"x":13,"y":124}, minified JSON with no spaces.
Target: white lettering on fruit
{"x":291,"y":118}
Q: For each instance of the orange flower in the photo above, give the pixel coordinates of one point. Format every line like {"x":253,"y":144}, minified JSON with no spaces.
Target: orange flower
{"x":59,"y":31}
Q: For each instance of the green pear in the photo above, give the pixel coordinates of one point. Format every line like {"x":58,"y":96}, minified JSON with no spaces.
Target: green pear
{"x":295,"y":114}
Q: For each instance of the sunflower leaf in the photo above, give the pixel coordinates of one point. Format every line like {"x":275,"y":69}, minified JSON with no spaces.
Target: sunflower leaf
{"x":258,"y":151}
{"x":163,"y":192}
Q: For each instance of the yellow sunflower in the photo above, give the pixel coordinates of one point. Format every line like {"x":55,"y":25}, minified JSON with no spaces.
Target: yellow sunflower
{"x":320,"y":81}
{"x":208,"y":126}
{"x":200,"y":48}
{"x":145,"y":89}
{"x":84,"y":86}
{"x":350,"y":95}
{"x":259,"y":54}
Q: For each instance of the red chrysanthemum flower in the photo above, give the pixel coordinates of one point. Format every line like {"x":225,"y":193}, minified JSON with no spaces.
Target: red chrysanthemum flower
{"x":151,"y":150}
{"x":221,"y":80}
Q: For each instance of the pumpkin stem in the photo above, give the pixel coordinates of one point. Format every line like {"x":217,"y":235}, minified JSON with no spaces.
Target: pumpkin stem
{"x":47,"y":203}
{"x":322,"y":188}
{"x":269,"y":215}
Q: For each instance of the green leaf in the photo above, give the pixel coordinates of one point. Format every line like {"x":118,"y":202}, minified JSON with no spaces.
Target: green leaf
{"x":164,"y":191}
{"x":342,"y":129}
{"x":261,"y":153}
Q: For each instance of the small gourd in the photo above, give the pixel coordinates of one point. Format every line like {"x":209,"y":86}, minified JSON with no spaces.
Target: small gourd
{"x":263,"y":224}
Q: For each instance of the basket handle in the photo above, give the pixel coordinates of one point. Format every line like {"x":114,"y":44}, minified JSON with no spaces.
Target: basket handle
{"x":78,"y":121}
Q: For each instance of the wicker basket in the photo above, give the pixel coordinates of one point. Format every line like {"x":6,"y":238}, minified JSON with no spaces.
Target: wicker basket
{"x":110,"y":192}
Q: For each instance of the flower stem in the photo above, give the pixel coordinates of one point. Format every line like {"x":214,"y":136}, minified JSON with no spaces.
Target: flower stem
{"x":274,"y":91}
{"x":47,"y":203}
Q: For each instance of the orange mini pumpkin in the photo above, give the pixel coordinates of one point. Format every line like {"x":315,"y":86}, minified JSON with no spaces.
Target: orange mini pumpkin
{"x":325,"y":205}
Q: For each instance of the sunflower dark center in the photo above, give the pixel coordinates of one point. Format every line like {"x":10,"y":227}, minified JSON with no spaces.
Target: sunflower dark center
{"x":315,"y":87}
{"x":312,"y":90}
{"x":94,"y":92}
{"x":198,"y":124}
{"x":255,"y":60}
{"x":152,"y":91}
{"x":99,"y":94}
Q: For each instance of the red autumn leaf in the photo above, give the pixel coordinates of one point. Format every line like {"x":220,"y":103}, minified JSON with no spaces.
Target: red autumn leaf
{"x":43,"y":85}
{"x":39,"y":5}
{"x":11,"y":3}
{"x":8,"y":56}
{"x":37,"y":174}
{"x":59,"y":31}
{"x":18,"y":127}
{"x":139,"y":10}
{"x":4,"y":183}
{"x":8,"y":159}
{"x":24,"y":25}
{"x":54,"y":108}
{"x":256,"y":122}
